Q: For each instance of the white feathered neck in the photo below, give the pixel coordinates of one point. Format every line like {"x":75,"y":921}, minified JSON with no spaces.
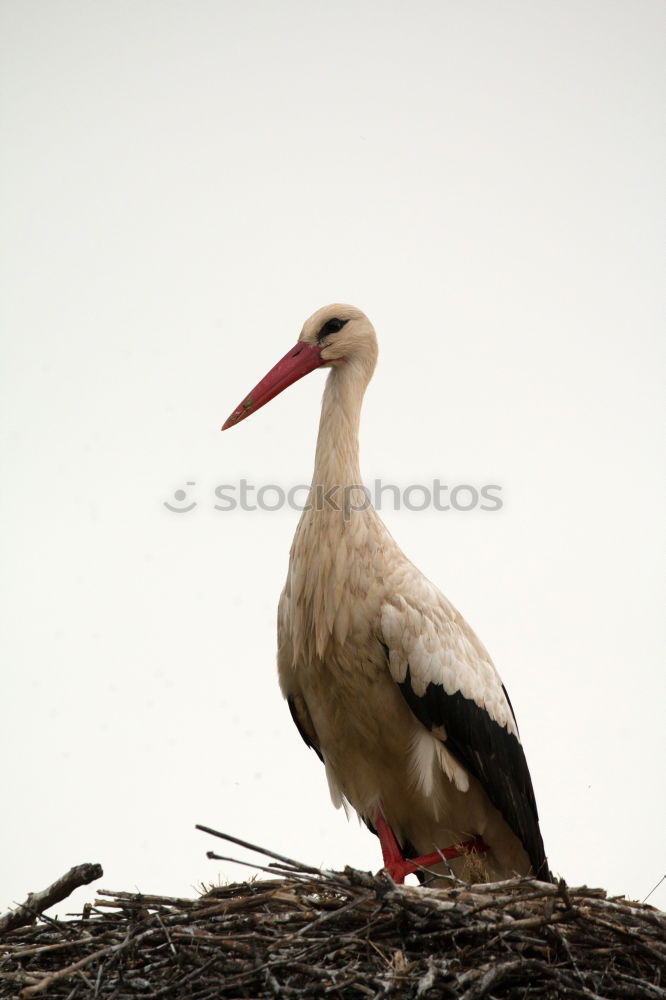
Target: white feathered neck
{"x":333,"y":559}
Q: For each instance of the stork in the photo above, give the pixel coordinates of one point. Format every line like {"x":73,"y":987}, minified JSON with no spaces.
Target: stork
{"x":385,"y":680}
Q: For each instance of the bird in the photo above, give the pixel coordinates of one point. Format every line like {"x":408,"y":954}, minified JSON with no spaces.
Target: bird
{"x":383,"y":677}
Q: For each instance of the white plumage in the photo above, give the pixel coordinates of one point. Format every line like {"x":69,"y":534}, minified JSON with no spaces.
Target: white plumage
{"x":384,"y":678}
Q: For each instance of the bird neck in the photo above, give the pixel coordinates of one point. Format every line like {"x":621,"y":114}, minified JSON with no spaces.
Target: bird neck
{"x":336,"y":458}
{"x":335,"y":525}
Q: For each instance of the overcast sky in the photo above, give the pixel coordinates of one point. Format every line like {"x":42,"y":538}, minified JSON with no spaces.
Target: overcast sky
{"x":183,"y":184}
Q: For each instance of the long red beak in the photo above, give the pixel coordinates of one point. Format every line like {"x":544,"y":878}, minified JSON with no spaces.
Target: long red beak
{"x":296,"y":363}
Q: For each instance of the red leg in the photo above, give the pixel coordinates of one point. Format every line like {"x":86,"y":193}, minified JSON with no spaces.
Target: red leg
{"x":398,"y":867}
{"x":394,"y":863}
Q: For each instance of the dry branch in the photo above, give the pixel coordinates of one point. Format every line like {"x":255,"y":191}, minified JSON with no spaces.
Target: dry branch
{"x":307,"y":933}
{"x":37,"y":902}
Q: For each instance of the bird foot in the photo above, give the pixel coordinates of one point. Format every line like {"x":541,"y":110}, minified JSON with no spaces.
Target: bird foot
{"x":397,"y":867}
{"x":397,"y":871}
{"x":407,"y":866}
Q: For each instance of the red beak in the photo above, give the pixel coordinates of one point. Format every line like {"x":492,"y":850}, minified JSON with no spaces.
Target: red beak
{"x":296,"y":363}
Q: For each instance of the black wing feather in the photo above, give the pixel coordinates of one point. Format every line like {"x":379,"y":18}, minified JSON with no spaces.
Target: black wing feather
{"x":291,"y":701}
{"x":492,"y":754}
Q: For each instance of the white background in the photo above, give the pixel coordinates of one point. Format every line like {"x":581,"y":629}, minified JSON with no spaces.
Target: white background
{"x":183,"y":184}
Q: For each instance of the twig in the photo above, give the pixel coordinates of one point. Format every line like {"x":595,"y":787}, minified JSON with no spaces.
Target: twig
{"x":272,"y":869}
{"x":37,"y":902}
{"x":654,"y":888}
{"x":297,"y":865}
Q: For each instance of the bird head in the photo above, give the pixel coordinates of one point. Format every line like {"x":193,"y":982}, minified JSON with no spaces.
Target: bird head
{"x":338,"y":336}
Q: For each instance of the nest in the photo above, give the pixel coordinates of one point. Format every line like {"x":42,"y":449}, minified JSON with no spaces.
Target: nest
{"x":311,"y":933}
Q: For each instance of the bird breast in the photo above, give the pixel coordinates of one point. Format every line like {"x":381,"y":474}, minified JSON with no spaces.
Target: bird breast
{"x":335,"y":584}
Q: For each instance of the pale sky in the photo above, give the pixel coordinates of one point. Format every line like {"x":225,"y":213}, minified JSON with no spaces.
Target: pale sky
{"x":182,"y":185}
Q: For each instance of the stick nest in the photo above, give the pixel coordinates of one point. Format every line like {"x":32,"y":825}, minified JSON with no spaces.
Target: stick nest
{"x":344,"y":935}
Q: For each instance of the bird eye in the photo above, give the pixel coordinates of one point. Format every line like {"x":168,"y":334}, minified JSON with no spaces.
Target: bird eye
{"x":332,"y":326}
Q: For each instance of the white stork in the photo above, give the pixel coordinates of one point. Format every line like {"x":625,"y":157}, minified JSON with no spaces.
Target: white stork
{"x":384,"y":678}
